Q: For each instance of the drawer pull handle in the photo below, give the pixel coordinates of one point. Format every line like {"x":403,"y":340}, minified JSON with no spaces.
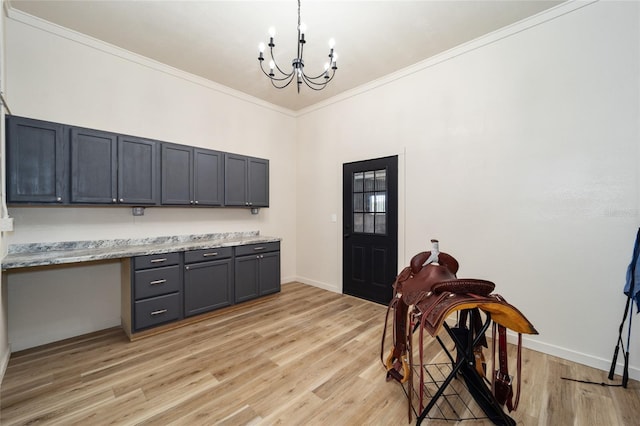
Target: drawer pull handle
{"x":157,"y":282}
{"x":164,"y":259}
{"x":258,"y":248}
{"x":210,"y":254}
{"x":158,"y":312}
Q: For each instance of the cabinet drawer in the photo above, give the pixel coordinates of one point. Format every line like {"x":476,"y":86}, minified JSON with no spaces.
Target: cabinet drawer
{"x":207,"y":254}
{"x":257,"y":248}
{"x":157,"y":310}
{"x":156,"y":281}
{"x":154,"y":260}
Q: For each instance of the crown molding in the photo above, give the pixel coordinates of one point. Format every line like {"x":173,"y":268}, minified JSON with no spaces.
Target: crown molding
{"x":69,"y":34}
{"x":485,"y":40}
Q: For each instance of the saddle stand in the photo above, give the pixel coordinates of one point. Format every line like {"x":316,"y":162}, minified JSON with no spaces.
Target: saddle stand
{"x":455,"y":406}
{"x":426,"y":293}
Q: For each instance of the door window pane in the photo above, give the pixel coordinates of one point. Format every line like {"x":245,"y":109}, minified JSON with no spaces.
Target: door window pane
{"x":369,"y":181}
{"x":381,"y":224}
{"x":358,"y":222}
{"x":358,"y":203}
{"x":368,"y":223}
{"x":381,"y":202}
{"x":381,"y":180}
{"x":358,"y":178}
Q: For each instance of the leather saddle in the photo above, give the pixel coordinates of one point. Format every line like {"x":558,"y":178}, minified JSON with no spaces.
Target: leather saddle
{"x":426,"y":292}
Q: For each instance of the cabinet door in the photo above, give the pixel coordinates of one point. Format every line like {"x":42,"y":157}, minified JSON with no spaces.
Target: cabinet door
{"x":235,"y":182}
{"x":208,"y":177}
{"x":94,"y":166}
{"x":246,"y":278}
{"x":177,"y":165}
{"x":269,"y":273}
{"x":258,"y":182}
{"x":36,"y":161}
{"x":207,"y":286}
{"x":138,"y":171}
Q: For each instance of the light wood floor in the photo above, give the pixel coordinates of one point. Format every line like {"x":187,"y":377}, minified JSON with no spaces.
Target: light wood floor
{"x":304,"y":356}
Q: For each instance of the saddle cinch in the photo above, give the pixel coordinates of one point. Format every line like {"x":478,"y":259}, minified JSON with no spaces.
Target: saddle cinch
{"x":427,"y":292}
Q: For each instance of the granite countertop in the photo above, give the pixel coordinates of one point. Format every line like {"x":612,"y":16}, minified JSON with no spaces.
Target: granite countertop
{"x":56,"y":253}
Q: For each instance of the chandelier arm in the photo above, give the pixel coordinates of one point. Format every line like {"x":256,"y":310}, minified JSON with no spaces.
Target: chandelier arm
{"x":277,"y":66}
{"x":273,"y":82}
{"x":322,"y":83}
{"x":320,"y":75}
{"x":286,"y":76}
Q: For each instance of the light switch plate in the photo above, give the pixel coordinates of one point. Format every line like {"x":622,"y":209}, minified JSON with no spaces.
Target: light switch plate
{"x":6,"y":224}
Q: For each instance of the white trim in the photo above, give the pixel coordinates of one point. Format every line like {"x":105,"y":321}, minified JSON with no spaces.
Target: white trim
{"x":574,"y":356}
{"x":487,"y":39}
{"x":57,"y":30}
{"x":324,"y":286}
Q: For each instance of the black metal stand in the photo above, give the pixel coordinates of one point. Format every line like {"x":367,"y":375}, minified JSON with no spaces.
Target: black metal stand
{"x":628,"y":306}
{"x":450,"y":401}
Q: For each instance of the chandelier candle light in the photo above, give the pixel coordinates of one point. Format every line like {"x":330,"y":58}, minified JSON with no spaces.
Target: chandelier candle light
{"x":283,"y":79}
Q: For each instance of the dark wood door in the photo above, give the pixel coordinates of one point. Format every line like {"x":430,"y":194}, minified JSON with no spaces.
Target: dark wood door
{"x":258,"y":182}
{"x":36,"y":161}
{"x":269,"y":280}
{"x":370,"y":228}
{"x":208,"y":177}
{"x":138,"y":171}
{"x":176,"y":174}
{"x":207,"y":286}
{"x":246,"y":277}
{"x":94,"y":166}
{"x":235,"y":182}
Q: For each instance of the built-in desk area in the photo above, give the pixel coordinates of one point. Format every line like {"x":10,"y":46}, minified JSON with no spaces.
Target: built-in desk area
{"x":169,"y":281}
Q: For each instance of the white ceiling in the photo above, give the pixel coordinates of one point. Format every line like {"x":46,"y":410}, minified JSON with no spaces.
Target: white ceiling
{"x":218,"y":40}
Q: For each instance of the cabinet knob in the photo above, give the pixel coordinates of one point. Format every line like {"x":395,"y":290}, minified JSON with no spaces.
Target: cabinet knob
{"x":250,"y":204}
{"x":196,"y":201}
{"x":191,"y":202}
{"x":246,"y":203}
{"x":59,"y":199}
{"x":122,"y":200}
{"x":186,"y":267}
{"x":114,"y":200}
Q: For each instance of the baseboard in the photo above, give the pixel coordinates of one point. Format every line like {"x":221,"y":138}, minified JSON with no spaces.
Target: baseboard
{"x":324,"y":286}
{"x":4,"y":362}
{"x":578,"y":357}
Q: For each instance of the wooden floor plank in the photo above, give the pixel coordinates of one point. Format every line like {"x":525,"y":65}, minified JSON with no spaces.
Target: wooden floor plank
{"x":304,"y":356}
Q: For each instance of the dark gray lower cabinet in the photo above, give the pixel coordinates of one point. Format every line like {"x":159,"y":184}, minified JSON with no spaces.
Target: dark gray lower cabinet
{"x":156,"y":290}
{"x":208,"y":284}
{"x":170,"y":287}
{"x":257,"y":269}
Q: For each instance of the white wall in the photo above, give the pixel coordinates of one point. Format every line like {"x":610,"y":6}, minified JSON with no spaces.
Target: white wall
{"x":519,"y":152}
{"x":57,"y":75}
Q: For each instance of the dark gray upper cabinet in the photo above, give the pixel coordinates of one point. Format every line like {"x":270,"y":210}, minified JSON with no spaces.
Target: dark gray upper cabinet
{"x":37,"y":156}
{"x":208,"y":177}
{"x":177,"y":181}
{"x":94,"y":166}
{"x":258,"y":182}
{"x":138,"y":171}
{"x":52,"y":163}
{"x":246,"y":181}
{"x":191,"y":176}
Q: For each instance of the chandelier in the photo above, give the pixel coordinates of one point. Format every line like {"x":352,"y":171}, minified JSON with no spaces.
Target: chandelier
{"x":281,"y":79}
